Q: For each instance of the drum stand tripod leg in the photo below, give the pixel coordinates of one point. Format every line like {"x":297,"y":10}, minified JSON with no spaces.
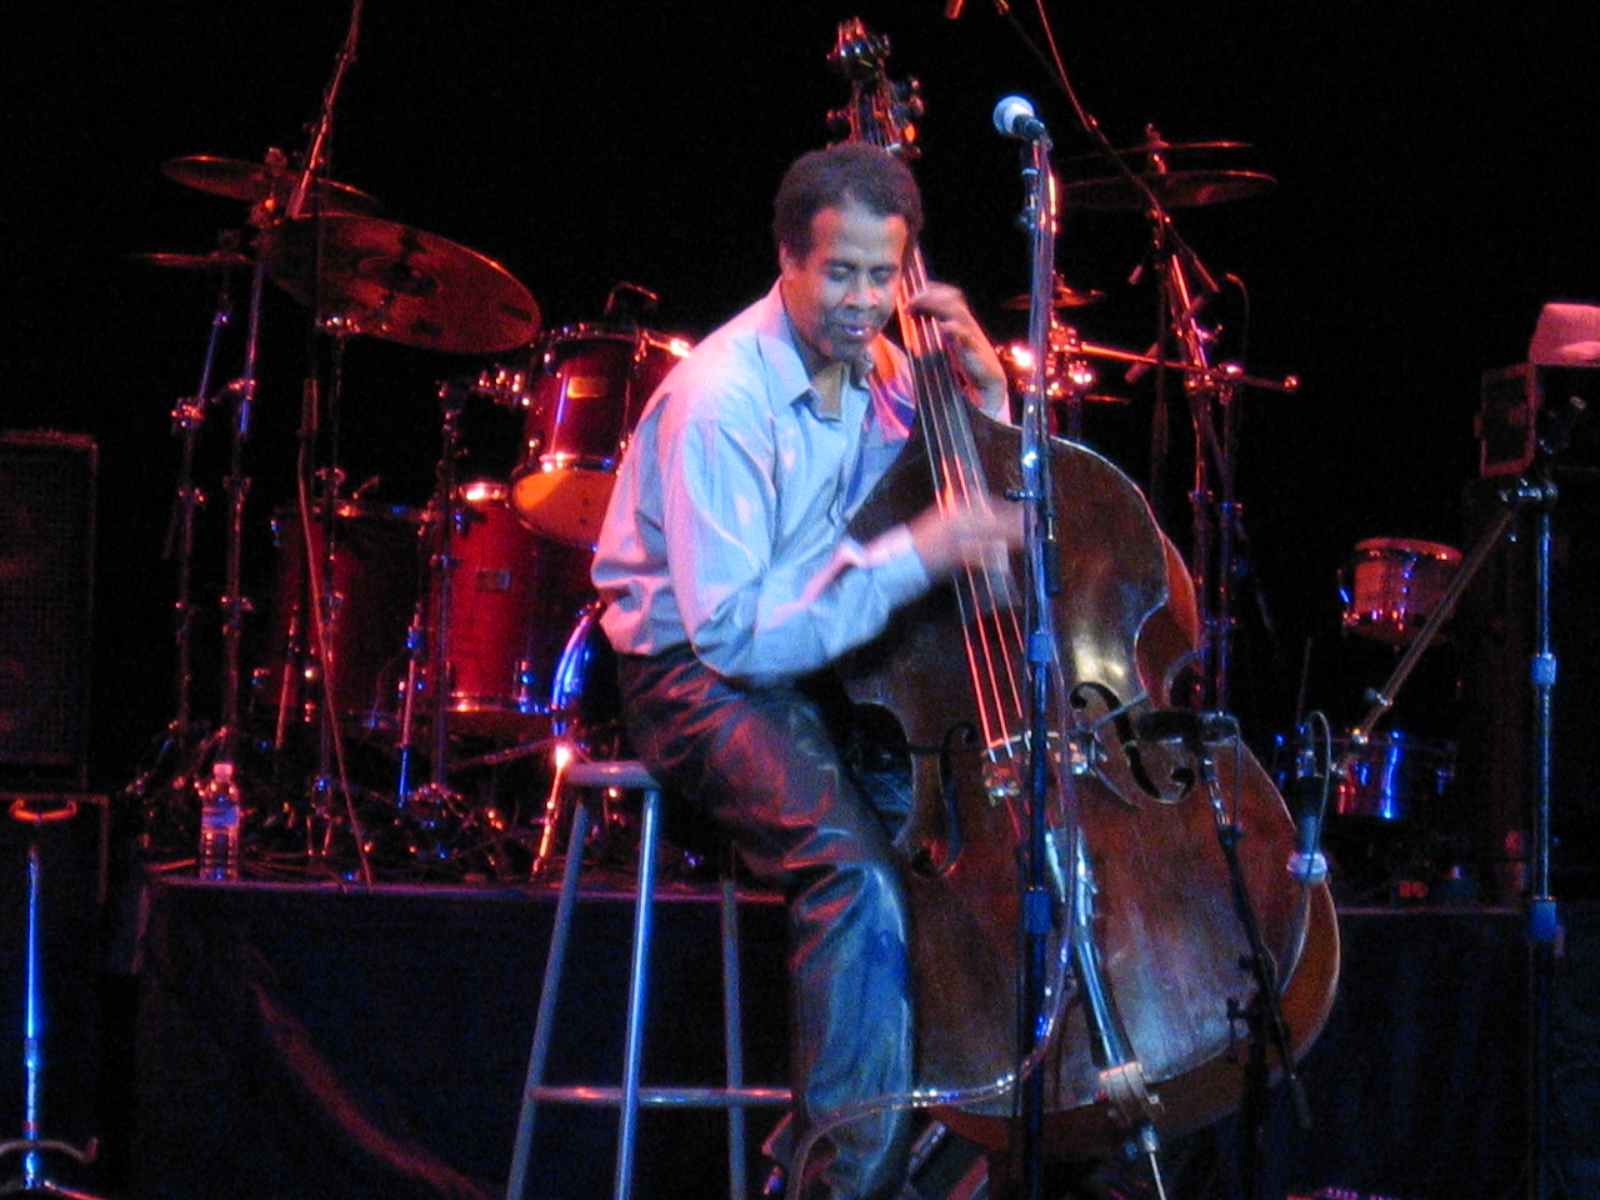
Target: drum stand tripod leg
{"x":34,"y":1181}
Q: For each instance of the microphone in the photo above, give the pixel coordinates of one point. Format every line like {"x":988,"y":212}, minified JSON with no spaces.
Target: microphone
{"x":1308,"y":864}
{"x":1014,"y":117}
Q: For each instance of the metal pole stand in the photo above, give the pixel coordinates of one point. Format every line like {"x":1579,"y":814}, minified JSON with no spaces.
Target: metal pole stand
{"x":34,"y":811}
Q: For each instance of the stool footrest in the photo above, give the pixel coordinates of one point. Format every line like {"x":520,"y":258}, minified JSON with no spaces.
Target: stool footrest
{"x":663,"y":1097}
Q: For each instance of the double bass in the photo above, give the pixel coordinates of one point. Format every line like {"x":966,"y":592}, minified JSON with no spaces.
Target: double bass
{"x":1171,"y":897}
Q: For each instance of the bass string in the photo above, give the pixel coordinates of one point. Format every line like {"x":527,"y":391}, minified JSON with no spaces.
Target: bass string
{"x":991,"y":629}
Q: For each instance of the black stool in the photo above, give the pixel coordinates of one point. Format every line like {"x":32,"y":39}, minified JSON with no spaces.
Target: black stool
{"x":589,"y":779}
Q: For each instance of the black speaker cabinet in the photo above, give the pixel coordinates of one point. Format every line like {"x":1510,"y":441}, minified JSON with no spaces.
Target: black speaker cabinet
{"x":47,"y":505}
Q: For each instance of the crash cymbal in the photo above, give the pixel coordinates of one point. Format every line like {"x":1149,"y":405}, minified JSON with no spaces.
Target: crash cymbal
{"x":399,"y":284}
{"x":217,"y":260}
{"x":1174,"y":189}
{"x":256,"y":182}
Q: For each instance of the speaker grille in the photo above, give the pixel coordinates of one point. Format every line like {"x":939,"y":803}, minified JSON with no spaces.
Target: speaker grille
{"x":47,"y":488}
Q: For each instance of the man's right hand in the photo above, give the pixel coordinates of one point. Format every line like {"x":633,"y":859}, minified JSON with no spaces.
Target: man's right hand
{"x":978,"y":535}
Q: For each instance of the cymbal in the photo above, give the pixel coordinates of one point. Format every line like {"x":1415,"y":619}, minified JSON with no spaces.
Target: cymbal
{"x":1156,"y":144}
{"x":400,"y":284}
{"x":255,"y":182}
{"x":1065,"y":296}
{"x":217,"y":260}
{"x":1174,"y":189}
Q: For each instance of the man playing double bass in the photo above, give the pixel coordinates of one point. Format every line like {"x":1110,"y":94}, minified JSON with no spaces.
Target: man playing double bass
{"x":731,"y":584}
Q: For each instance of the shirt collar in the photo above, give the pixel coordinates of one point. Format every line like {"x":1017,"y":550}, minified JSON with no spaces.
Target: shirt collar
{"x":825,"y":387}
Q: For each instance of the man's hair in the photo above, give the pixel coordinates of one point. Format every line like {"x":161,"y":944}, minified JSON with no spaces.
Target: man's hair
{"x":830,"y":178}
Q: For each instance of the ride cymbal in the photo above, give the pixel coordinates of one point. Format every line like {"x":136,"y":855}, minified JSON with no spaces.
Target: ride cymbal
{"x":399,"y":284}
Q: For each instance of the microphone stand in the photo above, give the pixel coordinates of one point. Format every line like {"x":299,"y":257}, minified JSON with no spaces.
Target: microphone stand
{"x":319,"y":574}
{"x":1040,"y":218}
{"x":35,"y":812}
{"x":1545,"y":933}
{"x":1121,"y":1074}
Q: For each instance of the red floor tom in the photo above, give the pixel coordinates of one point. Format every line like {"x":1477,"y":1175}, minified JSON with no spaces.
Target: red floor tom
{"x":368,"y":570}
{"x":514,"y":599}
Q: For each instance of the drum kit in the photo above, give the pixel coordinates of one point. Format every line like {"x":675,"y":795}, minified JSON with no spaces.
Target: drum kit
{"x":462,"y":633}
{"x":457,"y":637}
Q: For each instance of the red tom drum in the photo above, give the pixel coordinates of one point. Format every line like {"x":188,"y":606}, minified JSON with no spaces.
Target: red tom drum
{"x":514,"y":599}
{"x":582,"y":404}
{"x":1393,"y":585}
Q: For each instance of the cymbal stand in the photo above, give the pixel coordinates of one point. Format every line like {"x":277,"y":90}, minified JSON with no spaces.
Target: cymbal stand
{"x":237,"y":487}
{"x":34,"y":1180}
{"x":223,"y":743}
{"x":1217,"y":515}
{"x":1186,"y":287}
{"x":188,"y":420}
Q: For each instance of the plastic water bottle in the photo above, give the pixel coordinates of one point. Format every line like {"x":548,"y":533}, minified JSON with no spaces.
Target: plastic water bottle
{"x":220,"y":817}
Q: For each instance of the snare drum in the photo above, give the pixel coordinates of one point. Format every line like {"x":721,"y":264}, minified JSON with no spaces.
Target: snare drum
{"x":1389,"y":777}
{"x":582,"y":405}
{"x":1392,"y":778}
{"x":1394,"y":585}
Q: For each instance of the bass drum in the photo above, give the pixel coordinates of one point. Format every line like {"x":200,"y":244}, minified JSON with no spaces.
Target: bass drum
{"x":514,"y":597}
{"x":368,"y":563}
{"x":582,"y":404}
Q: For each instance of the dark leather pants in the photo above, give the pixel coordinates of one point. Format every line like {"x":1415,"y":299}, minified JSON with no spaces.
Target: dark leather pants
{"x":764,"y":767}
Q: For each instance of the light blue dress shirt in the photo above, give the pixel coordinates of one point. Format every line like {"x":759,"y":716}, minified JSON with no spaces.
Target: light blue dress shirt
{"x":726,"y":528}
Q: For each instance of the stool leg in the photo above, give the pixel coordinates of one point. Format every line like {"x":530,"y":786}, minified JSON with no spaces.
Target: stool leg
{"x":555,"y":958}
{"x":732,"y":1036}
{"x":638,"y":995}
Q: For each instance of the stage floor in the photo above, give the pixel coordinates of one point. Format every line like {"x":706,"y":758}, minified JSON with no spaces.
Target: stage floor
{"x":287,"y":1040}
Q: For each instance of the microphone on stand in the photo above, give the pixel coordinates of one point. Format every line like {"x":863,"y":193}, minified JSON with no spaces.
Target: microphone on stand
{"x":1308,"y":864}
{"x":1014,"y":117}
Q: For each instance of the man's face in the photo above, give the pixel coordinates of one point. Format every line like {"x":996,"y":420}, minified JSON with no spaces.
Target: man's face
{"x":841,"y":295}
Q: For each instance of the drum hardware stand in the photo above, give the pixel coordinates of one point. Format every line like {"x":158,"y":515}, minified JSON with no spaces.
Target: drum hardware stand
{"x":222,"y":743}
{"x":320,"y":609}
{"x":1217,"y":515}
{"x":34,"y":812}
{"x":188,"y":419}
{"x":428,"y":805}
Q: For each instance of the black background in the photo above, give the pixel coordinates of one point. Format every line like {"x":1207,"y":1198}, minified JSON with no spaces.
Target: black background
{"x":1436,"y":168}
